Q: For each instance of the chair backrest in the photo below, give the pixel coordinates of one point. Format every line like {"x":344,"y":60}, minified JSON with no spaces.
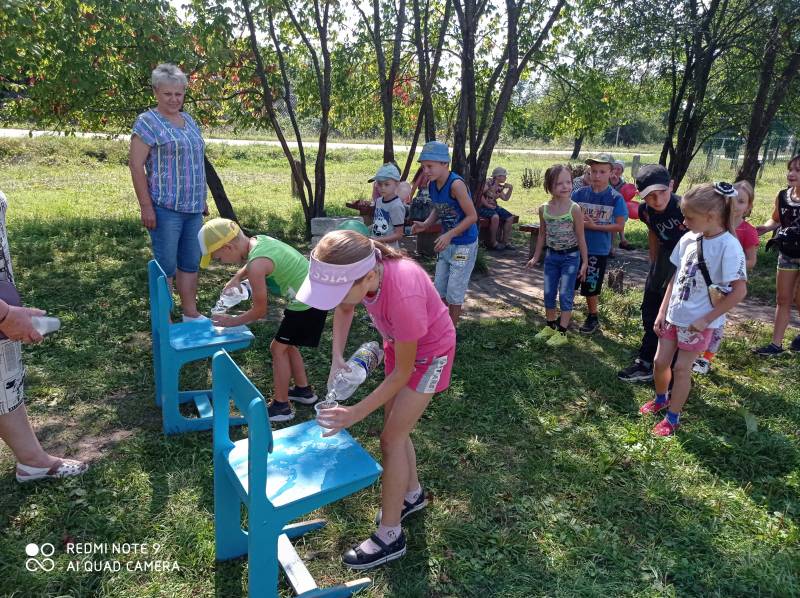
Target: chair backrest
{"x":229,"y":382}
{"x":160,"y":298}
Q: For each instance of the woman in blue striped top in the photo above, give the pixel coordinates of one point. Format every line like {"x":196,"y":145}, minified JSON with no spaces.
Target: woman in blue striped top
{"x":167,"y":167}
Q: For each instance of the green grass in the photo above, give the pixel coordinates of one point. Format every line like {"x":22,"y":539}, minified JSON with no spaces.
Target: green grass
{"x":545,"y":480}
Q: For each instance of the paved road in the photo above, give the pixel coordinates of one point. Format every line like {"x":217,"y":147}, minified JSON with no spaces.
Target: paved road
{"x":331,"y":145}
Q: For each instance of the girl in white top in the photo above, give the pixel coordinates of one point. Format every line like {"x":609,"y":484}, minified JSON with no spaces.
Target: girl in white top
{"x":687,"y":318}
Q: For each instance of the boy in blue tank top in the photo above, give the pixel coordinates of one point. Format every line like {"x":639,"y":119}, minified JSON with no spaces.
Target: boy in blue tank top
{"x":457,"y":246}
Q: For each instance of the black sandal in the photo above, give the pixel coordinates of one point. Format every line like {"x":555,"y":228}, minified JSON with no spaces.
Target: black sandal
{"x":355,"y":558}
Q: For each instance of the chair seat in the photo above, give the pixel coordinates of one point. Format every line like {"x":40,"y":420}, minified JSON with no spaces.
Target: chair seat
{"x":185,"y":336}
{"x":303,"y":465}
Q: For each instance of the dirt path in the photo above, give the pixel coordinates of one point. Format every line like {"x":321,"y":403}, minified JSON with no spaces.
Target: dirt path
{"x":509,"y":288}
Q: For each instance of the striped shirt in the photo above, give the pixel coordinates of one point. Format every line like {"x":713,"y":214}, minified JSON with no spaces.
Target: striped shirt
{"x":176,"y":176}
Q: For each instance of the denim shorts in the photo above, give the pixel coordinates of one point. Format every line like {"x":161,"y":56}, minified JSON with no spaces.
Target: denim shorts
{"x":785,"y":262}
{"x":560,"y":272}
{"x":489,"y":212}
{"x":174,"y":240}
{"x":453,"y":269}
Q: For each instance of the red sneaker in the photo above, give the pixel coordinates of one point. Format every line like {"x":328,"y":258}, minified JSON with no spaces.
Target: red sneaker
{"x":652,"y":407}
{"x":664,"y":428}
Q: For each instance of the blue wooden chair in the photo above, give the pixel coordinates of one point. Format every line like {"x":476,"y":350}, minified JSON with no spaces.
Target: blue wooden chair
{"x":279,"y":476}
{"x":175,"y":345}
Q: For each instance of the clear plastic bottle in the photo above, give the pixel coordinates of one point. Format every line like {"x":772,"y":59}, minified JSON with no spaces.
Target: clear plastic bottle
{"x":232,"y":296}
{"x":45,"y":324}
{"x":362,"y":363}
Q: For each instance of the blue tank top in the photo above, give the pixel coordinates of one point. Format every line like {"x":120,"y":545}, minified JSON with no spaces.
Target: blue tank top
{"x":450,"y":212}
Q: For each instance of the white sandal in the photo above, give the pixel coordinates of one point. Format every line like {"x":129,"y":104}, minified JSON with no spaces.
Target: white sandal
{"x":64,"y":468}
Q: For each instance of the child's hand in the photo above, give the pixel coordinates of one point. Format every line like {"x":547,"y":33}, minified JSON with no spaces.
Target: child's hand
{"x":582,"y":271}
{"x":660,"y":324}
{"x":233,"y":282}
{"x":418,"y":227}
{"x":442,"y":242}
{"x":337,"y":363}
{"x":699,"y":324}
{"x":533,"y":261}
{"x":337,"y":418}
{"x":224,"y":320}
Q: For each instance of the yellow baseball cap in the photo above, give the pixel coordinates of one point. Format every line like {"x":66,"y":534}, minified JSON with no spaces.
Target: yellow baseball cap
{"x":213,"y":235}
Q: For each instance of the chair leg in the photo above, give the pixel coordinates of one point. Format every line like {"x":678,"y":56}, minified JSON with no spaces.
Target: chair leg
{"x":262,"y":549}
{"x":230,"y":539}
{"x":170,"y":412}
{"x":295,"y":530}
{"x":341,"y":591}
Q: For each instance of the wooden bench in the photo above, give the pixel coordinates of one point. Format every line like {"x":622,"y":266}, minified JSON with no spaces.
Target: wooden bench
{"x":483,"y":229}
{"x":425,"y":240}
{"x":533,"y":229}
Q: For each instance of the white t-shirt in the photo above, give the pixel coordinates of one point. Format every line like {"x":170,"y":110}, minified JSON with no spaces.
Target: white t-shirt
{"x":388,"y":214}
{"x":724,"y":259}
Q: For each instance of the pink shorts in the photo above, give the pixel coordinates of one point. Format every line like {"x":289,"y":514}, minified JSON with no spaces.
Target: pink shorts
{"x":688,"y":340}
{"x":431,"y":373}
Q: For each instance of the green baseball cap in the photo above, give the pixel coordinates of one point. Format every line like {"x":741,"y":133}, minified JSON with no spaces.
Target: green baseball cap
{"x":600,"y":159}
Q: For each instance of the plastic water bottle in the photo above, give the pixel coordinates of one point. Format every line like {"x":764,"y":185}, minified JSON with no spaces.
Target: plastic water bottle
{"x":45,"y":324}
{"x":362,"y":363}
{"x":232,"y":296}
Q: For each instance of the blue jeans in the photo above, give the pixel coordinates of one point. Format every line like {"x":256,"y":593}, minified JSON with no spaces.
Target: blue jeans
{"x":560,"y":272}
{"x":174,"y":239}
{"x":453,"y":269}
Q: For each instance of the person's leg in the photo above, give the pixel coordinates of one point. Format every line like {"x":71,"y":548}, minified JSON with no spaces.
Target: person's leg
{"x":552,"y":272}
{"x":494,"y":224}
{"x":662,"y":365}
{"x":188,"y":263}
{"x":593,"y":304}
{"x":441,"y":274}
{"x":411,"y":454}
{"x":566,"y":287}
{"x":786,"y":280}
{"x":17,"y":433}
{"x":506,"y":232}
{"x":682,"y":380}
{"x":281,"y":370}
{"x":651,"y":303}
{"x":297,"y":366}
{"x":461,"y":265}
{"x":395,"y":440}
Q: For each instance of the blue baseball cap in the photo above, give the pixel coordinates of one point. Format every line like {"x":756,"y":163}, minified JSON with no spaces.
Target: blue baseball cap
{"x":435,"y":151}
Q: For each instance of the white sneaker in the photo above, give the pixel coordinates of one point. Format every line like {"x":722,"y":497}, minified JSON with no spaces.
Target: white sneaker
{"x":701,"y":365}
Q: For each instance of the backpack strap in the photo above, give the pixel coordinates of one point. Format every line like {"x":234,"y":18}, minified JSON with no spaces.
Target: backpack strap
{"x":701,"y":263}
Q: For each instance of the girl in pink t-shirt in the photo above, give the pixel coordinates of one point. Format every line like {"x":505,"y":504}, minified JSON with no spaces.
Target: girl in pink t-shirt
{"x":347,"y":269}
{"x":741,"y":208}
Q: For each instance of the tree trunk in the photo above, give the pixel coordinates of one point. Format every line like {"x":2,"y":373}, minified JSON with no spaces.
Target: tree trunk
{"x":764,"y":106}
{"x":576,"y":147}
{"x":221,"y":200}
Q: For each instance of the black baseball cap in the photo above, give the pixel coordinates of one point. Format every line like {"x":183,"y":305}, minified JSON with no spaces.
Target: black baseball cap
{"x":652,"y":177}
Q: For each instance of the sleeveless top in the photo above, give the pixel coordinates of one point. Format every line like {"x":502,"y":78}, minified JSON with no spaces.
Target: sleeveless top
{"x":450,"y":212}
{"x":788,"y":210}
{"x":560,"y":229}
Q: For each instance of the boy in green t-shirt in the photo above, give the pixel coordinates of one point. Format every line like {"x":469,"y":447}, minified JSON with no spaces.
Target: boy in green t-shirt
{"x":271,"y":266}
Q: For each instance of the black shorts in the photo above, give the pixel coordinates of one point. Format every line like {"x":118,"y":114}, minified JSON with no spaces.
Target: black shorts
{"x":595,"y":272}
{"x":301,"y":328}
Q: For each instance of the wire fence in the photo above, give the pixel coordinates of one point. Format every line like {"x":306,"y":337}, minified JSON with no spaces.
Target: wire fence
{"x":721,"y":153}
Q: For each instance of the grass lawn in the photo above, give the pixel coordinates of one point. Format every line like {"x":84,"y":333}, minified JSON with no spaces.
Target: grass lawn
{"x":544,"y":478}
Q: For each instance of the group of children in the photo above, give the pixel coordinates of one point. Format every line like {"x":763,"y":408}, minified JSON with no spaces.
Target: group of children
{"x":700,"y":249}
{"x":698,"y":272}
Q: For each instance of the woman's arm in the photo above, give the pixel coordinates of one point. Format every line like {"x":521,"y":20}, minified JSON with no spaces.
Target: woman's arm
{"x":16,"y":324}
{"x":137,"y":156}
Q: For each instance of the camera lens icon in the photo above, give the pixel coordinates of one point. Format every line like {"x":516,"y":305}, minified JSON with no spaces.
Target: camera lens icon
{"x":46,"y":550}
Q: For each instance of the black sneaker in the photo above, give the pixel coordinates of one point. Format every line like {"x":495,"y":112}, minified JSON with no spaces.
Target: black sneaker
{"x":408,"y":508}
{"x":770,"y":350}
{"x":795,"y":346}
{"x":590,"y":326}
{"x":638,"y":371}
{"x":305,"y":395}
{"x":355,"y":558}
{"x":280,"y":412}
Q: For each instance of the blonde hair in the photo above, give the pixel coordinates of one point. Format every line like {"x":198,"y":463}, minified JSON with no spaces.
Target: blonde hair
{"x":704,"y":199}
{"x":348,"y":247}
{"x":746,"y":188}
